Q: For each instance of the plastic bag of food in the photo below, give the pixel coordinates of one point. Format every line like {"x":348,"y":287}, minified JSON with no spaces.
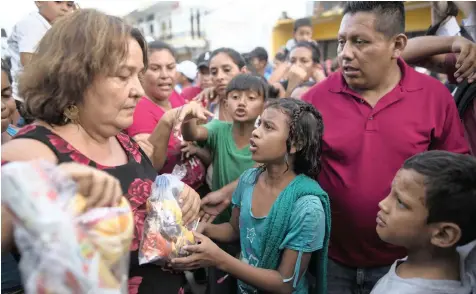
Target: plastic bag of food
{"x":64,"y":249}
{"x":164,"y":233}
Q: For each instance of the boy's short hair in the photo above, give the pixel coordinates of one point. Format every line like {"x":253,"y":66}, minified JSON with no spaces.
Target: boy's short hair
{"x":450,"y":189}
{"x":302,"y":22}
{"x":260,"y":53}
{"x":247,"y":82}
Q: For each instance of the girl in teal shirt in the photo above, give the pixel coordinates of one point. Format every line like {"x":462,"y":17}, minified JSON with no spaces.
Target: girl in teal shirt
{"x":280,"y":214}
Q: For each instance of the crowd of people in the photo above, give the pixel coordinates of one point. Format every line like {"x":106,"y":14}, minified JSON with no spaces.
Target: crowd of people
{"x":358,"y":177}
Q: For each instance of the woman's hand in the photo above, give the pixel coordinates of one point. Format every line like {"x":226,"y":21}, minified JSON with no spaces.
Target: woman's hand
{"x":205,"y":253}
{"x":466,"y":62}
{"x":190,"y":203}
{"x":100,"y":188}
{"x":297,"y":74}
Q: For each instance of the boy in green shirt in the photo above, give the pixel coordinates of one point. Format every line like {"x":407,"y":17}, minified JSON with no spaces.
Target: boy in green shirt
{"x":229,"y":142}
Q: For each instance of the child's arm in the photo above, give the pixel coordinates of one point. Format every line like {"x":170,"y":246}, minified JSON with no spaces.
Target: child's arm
{"x":206,"y":253}
{"x":190,"y":148}
{"x":204,"y":155}
{"x":227,"y":232}
{"x":191,"y":131}
{"x":273,"y":281}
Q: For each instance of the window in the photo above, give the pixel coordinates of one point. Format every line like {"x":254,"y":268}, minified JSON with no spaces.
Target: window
{"x":152,"y":29}
{"x":150,"y":17}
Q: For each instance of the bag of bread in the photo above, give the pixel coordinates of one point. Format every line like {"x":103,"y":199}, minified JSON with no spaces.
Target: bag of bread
{"x":63,"y":248}
{"x":164,"y":233}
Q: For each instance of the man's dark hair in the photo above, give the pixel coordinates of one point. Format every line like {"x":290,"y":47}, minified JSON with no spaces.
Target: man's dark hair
{"x":260,"y":53}
{"x":390,"y":15}
{"x":302,"y":22}
{"x":450,"y":188}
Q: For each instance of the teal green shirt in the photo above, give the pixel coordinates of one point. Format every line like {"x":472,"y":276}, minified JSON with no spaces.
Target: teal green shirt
{"x":229,"y":162}
{"x":306,"y":230}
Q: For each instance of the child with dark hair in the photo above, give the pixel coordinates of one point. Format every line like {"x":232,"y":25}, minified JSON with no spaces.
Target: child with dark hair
{"x":280,"y":214}
{"x":302,"y":32}
{"x":259,"y":59}
{"x":430,"y":211}
{"x":229,"y":141}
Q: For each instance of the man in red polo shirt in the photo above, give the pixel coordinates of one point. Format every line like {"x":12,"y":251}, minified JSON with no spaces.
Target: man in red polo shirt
{"x":377,"y":112}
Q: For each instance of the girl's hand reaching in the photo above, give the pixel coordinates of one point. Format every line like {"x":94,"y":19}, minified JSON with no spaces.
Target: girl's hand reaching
{"x":205,"y":253}
{"x":100,"y":188}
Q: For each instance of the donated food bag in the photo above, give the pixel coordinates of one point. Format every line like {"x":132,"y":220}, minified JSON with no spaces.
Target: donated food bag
{"x":63,"y":248}
{"x":164,"y":234}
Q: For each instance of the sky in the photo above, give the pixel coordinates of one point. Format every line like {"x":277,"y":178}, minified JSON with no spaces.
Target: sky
{"x":19,"y":8}
{"x":228,"y":24}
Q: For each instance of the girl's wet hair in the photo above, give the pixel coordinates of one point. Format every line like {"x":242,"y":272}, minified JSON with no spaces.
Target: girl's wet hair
{"x":233,"y":54}
{"x":306,"y":129}
{"x":159,"y":45}
{"x":247,"y":82}
{"x":316,"y":53}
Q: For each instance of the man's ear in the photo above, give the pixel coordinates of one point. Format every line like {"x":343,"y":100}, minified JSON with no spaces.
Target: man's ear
{"x":445,"y":235}
{"x":400,"y":42}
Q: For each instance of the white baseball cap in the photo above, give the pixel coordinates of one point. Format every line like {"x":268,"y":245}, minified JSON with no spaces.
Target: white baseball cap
{"x":188,"y":69}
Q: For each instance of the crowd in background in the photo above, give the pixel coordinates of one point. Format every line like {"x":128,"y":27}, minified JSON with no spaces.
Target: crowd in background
{"x":353,"y":175}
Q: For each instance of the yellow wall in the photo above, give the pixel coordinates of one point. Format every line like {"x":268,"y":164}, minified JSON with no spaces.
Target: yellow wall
{"x":418,"y":19}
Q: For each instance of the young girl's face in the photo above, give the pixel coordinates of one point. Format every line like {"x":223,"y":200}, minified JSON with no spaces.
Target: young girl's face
{"x":8,"y":104}
{"x":303,"y":58}
{"x":268,"y":140}
{"x":222,"y":70}
{"x":245,"y":106}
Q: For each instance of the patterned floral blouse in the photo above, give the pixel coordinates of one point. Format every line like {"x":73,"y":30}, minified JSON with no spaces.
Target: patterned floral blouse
{"x":136,"y":177}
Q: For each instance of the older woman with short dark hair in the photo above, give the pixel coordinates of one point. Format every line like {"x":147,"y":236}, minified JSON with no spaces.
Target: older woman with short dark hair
{"x":82,"y":87}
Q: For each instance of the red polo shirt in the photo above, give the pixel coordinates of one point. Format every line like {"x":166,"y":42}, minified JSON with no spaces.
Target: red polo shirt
{"x":364,"y":147}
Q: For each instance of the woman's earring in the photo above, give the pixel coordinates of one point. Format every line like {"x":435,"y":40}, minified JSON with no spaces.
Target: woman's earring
{"x":71,"y":114}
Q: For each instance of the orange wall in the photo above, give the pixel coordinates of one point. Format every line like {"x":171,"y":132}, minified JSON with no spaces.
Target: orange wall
{"x":418,"y":19}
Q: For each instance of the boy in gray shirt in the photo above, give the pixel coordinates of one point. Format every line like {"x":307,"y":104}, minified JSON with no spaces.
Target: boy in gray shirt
{"x":430,"y":211}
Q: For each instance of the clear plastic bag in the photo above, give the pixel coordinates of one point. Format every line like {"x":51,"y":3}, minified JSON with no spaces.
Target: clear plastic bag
{"x":63,"y":249}
{"x":164,"y":233}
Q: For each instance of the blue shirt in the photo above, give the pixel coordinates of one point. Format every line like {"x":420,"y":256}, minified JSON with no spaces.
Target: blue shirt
{"x":306,"y":230}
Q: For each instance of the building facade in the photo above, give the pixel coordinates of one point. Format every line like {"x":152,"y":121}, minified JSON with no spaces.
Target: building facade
{"x":175,"y":22}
